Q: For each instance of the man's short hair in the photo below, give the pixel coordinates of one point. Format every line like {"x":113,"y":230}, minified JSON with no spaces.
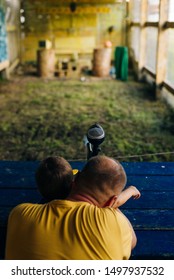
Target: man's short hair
{"x":100,"y":171}
{"x":54,"y":177}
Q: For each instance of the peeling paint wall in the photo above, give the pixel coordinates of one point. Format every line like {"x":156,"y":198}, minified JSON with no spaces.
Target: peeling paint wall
{"x":13,"y":28}
{"x":9,"y":33}
{"x":3,"y":35}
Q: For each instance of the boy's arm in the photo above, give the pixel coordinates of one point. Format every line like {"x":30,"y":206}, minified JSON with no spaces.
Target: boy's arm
{"x":125,"y":195}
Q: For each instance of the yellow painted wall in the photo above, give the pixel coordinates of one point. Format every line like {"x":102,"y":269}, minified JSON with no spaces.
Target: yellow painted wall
{"x":78,"y":32}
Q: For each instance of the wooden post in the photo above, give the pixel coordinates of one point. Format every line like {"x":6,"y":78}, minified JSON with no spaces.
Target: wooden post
{"x":161,"y":56}
{"x":143,"y":39}
{"x":129,"y":20}
{"x":4,"y":69}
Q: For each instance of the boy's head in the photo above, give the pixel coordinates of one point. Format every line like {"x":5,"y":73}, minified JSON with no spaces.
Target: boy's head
{"x":54,"y":177}
{"x":102,"y":175}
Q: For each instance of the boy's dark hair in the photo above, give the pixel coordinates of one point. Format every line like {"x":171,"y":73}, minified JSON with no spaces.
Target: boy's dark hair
{"x":54,"y":177}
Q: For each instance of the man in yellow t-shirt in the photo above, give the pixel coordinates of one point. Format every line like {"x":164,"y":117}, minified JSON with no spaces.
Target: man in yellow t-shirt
{"x":84,"y":226}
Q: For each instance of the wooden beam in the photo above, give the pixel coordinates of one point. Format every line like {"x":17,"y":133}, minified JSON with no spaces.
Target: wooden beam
{"x":4,"y":65}
{"x":151,"y":24}
{"x":135,"y":24}
{"x":66,"y":2}
{"x":169,"y":24}
{"x":142,"y":48}
{"x":169,"y":87}
{"x":67,"y":11}
{"x":149,"y":72}
{"x":13,"y":65}
{"x":161,"y":56}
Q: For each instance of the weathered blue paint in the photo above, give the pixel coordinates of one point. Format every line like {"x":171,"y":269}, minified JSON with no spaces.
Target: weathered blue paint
{"x":3,"y":37}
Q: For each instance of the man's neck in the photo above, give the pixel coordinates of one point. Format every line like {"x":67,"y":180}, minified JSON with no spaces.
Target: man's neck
{"x":83,"y":197}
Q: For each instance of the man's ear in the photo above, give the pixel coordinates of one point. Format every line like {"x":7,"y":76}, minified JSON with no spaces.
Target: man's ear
{"x":76,"y":175}
{"x":111,"y":201}
{"x":73,"y":184}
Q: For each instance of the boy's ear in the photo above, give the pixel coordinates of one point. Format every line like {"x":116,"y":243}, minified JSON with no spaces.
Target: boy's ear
{"x":111,"y":201}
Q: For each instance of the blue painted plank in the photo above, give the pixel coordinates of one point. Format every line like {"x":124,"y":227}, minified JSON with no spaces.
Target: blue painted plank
{"x":21,"y":174}
{"x":154,"y":245}
{"x":140,"y":168}
{"x":18,"y":181}
{"x":152,"y":200}
{"x":11,"y":197}
{"x":149,"y":168}
{"x":26,"y":179}
{"x":151,"y":183}
{"x":151,"y":219}
{"x":4,"y":213}
{"x":18,"y":165}
{"x":134,"y":168}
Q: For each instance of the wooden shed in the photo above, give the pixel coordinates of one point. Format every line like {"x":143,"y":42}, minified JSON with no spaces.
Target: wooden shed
{"x":74,"y":28}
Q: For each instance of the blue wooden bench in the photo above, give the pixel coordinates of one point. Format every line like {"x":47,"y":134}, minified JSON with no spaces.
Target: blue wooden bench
{"x":152,"y":215}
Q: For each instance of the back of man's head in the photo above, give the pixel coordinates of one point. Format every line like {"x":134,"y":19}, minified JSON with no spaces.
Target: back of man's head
{"x":54,"y":177}
{"x":102,"y":174}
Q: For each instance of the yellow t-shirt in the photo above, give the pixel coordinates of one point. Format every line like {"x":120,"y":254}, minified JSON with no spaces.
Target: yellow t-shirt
{"x":67,"y":230}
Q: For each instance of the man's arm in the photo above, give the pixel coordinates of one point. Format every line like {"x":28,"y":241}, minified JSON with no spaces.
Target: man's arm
{"x":134,"y":238}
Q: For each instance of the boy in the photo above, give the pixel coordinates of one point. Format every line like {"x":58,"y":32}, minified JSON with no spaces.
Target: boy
{"x":54,"y":178}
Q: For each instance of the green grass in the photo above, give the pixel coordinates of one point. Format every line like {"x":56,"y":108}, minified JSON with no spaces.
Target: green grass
{"x":41,"y":118}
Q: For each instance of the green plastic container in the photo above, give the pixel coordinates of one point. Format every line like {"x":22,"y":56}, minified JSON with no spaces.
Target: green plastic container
{"x":121,"y":63}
